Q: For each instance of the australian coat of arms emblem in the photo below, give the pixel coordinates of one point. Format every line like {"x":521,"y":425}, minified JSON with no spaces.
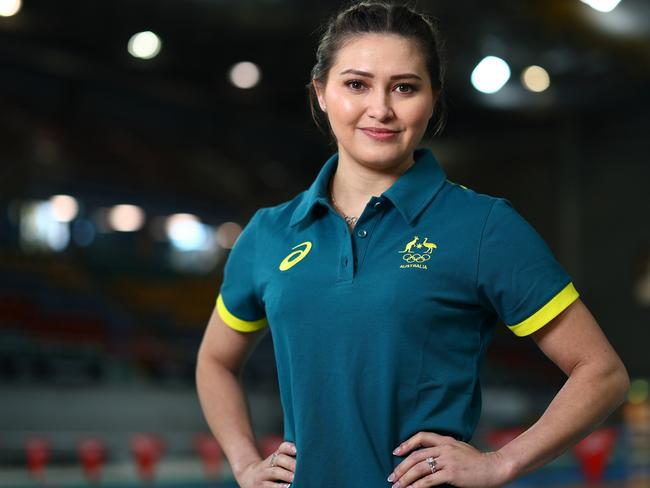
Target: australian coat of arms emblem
{"x":416,"y":253}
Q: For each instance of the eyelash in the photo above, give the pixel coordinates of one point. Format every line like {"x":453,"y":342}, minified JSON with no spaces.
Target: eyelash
{"x":411,"y":87}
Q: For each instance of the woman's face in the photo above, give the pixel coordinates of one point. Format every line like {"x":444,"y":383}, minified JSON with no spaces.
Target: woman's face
{"x":378,"y":83}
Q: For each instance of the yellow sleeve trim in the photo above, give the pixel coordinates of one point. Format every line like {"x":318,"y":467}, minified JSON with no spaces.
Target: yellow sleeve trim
{"x":548,"y":312}
{"x":237,"y":323}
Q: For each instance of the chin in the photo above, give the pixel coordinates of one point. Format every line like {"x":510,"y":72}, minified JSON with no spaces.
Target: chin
{"x":378,"y":153}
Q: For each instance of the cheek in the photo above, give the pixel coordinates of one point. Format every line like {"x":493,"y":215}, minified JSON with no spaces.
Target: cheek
{"x":417,"y":113}
{"x":342,"y":109}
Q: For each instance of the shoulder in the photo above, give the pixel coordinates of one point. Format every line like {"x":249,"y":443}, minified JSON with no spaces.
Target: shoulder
{"x":493,"y":218}
{"x":468,"y":203}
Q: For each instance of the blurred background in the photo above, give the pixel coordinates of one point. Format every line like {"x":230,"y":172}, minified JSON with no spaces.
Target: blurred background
{"x":138,"y":137}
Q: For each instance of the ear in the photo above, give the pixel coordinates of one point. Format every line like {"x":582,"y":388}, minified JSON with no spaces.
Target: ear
{"x":319,"y":89}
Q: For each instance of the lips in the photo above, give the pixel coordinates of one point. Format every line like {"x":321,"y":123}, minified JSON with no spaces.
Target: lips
{"x":379,"y":130}
{"x":380,"y":134}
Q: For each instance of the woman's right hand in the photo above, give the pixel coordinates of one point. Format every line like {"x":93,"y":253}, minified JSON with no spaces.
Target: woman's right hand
{"x":260,"y":474}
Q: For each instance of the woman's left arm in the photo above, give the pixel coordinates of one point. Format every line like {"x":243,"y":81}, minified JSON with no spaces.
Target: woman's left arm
{"x":597,"y":384}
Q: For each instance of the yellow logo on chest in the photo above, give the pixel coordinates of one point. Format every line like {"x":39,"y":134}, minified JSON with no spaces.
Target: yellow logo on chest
{"x":417,"y":258}
{"x":296,"y":256}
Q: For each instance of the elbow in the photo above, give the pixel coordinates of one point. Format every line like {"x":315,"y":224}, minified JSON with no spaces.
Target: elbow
{"x":612,"y":379}
{"x":623,"y":382}
{"x":204,"y":364}
{"x":617,"y":381}
{"x":208,"y":364}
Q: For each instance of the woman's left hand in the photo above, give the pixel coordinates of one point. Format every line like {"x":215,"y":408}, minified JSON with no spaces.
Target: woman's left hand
{"x":457,"y":463}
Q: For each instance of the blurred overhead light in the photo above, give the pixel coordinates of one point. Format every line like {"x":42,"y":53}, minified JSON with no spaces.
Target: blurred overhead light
{"x":245,"y":75}
{"x":144,"y":45}
{"x":9,"y":7}
{"x":186,"y":232}
{"x":602,"y":5}
{"x":490,"y":74}
{"x":40,"y":230}
{"x":535,"y":79}
{"x":125,"y":218}
{"x":64,"y":207}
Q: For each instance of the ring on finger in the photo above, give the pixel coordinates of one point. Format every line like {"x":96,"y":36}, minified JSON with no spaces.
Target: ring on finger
{"x":273,"y":456}
{"x":432,"y":464}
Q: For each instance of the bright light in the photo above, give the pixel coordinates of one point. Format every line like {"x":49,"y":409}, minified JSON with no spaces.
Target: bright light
{"x":144,"y":45}
{"x":9,"y":7}
{"x":125,"y":218}
{"x":245,"y":75}
{"x":64,"y":207}
{"x":227,"y":234}
{"x":535,"y":79}
{"x":602,"y":5}
{"x":490,"y":74}
{"x":39,"y":230}
{"x":186,"y":232}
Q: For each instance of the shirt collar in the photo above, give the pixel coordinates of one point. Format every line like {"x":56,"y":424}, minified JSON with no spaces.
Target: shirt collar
{"x":410,"y":193}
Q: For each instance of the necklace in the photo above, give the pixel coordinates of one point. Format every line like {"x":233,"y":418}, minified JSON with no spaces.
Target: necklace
{"x":348,"y":219}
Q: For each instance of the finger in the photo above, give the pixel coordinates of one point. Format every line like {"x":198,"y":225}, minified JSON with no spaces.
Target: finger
{"x":435,"y":479}
{"x":421,"y":439}
{"x":284,"y":461}
{"x":418,"y":471}
{"x":416,"y":461}
{"x":273,"y":484}
{"x":278,"y":473}
{"x":414,"y":458}
{"x":287,"y":447}
{"x":420,"y":476}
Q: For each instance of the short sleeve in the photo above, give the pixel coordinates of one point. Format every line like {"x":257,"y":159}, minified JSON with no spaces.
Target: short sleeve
{"x":518,"y":276}
{"x":238,"y":302}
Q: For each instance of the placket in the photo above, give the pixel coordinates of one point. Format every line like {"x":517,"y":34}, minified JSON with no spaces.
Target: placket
{"x":356,"y":240}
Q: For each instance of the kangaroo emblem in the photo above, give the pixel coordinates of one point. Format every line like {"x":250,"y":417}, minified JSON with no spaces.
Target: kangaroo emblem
{"x":410,"y":244}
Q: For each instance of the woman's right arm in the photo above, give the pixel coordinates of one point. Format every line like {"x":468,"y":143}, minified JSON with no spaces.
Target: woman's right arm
{"x":222,"y":354}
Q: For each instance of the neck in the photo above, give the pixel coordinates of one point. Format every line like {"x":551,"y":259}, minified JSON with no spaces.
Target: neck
{"x":353,"y":184}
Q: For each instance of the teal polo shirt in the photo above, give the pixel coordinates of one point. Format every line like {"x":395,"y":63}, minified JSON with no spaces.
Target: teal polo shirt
{"x":380,"y":332}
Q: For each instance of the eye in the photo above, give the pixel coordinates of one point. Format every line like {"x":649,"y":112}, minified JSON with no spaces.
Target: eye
{"x":355,"y":85}
{"x":409,"y":88}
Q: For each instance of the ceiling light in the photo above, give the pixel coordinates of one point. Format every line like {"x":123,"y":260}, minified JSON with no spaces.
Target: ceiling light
{"x":490,"y":75}
{"x":535,"y":79}
{"x":602,"y":5}
{"x":144,"y":45}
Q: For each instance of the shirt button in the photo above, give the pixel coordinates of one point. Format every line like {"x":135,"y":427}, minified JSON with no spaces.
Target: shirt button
{"x":378,"y":204}
{"x":362,"y":233}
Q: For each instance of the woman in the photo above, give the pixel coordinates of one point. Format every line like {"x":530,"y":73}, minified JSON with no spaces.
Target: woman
{"x":382,"y":284}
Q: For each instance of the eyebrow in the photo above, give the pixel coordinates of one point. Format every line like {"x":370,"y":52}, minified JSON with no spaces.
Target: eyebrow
{"x":370,"y":75}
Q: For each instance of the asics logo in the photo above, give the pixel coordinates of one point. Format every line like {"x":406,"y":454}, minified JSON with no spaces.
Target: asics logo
{"x":296,"y":256}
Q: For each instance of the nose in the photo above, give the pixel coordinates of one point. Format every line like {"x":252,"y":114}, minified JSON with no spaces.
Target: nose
{"x":379,"y":106}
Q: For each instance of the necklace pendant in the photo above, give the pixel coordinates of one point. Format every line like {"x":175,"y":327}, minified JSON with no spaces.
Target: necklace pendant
{"x":349,"y":220}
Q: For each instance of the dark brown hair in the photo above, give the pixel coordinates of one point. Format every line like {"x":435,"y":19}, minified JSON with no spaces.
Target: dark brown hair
{"x":381,"y":16}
